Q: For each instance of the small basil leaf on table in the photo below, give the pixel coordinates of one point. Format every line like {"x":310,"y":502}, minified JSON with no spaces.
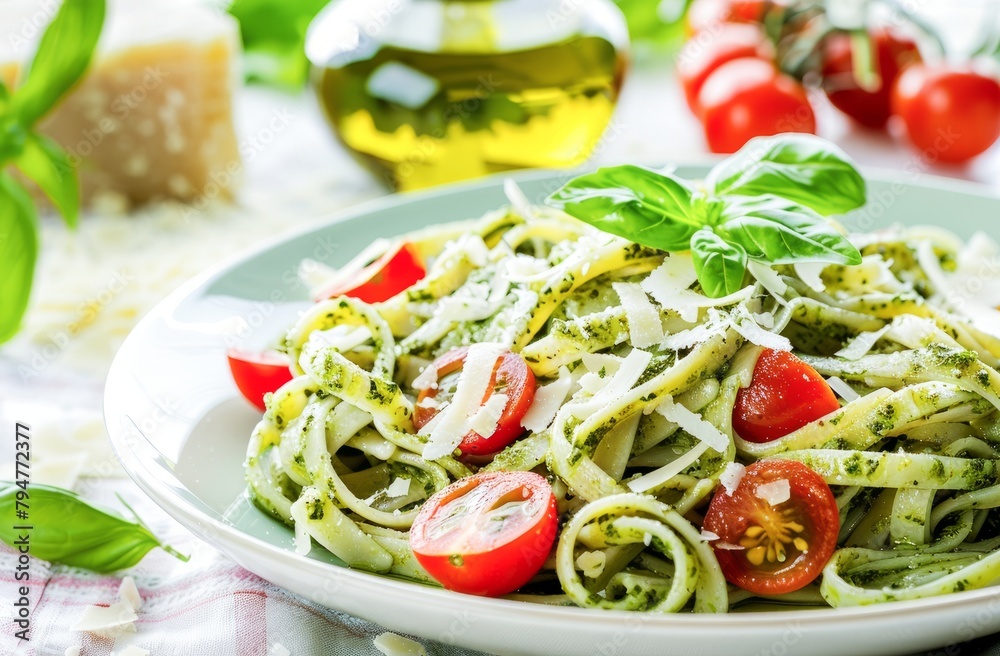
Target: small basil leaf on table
{"x":780,"y":232}
{"x":68,"y":530}
{"x":802,"y":168}
{"x":720,"y":265}
{"x":647,"y":207}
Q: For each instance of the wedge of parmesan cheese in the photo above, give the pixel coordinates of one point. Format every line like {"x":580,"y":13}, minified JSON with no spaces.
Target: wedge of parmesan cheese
{"x":152,"y":118}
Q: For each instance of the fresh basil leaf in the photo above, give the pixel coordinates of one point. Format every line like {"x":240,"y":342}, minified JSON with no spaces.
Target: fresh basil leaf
{"x":47,"y":165}
{"x":63,"y":54}
{"x":18,"y":252}
{"x":68,"y":530}
{"x":800,"y":167}
{"x":776,"y":231}
{"x":647,"y":207}
{"x":720,"y":266}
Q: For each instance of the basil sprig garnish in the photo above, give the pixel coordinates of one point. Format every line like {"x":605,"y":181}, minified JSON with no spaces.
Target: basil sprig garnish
{"x":766,"y":203}
{"x":64,"y":53}
{"x":66,"y":529}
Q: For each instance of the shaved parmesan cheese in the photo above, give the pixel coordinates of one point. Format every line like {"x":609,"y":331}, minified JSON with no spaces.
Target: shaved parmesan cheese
{"x":731,"y":477}
{"x":427,"y":379}
{"x":694,"y":424}
{"x":107,"y":621}
{"x":591,"y":563}
{"x":687,"y":338}
{"x":744,"y":324}
{"x":842,"y":389}
{"x":597,"y":361}
{"x":708,"y":536}
{"x":911,"y":331}
{"x":775,"y":492}
{"x":128,"y":593}
{"x":392,"y":644}
{"x":131,"y":650}
{"x":809,"y":273}
{"x":644,"y":325}
{"x":658,"y":477}
{"x":342,"y":338}
{"x":472,"y":386}
{"x":860,"y":345}
{"x":73,"y":651}
{"x":931,"y":265}
{"x":769,"y":280}
{"x":525,"y":268}
{"x":668,"y":284}
{"x":303,"y":543}
{"x":485,"y":421}
{"x":548,"y":399}
{"x":400,"y":487}
{"x":517,"y":199}
{"x":726,"y":546}
{"x":764,"y":319}
{"x":629,"y":372}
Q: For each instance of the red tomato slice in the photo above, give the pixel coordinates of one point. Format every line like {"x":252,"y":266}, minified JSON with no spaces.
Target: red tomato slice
{"x":399,"y":269}
{"x":872,"y":109}
{"x":784,"y":395}
{"x":784,"y":546}
{"x":746,"y":98}
{"x":697,"y":60}
{"x":256,"y":374}
{"x":951,"y":114}
{"x":486,"y":534}
{"x":511,"y":376}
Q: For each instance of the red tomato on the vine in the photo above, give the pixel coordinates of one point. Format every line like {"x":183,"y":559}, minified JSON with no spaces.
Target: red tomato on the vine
{"x":699,"y":58}
{"x":708,"y":15}
{"x":747,"y":98}
{"x":950,"y":113}
{"x":892,"y":54}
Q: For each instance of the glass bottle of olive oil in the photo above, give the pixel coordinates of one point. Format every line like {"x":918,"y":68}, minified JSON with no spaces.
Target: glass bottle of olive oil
{"x":432,"y":91}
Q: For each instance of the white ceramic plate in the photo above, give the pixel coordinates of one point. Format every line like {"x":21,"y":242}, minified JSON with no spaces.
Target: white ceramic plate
{"x":180,"y":429}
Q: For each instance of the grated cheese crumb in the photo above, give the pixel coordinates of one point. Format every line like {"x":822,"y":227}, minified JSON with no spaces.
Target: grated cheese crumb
{"x":392,"y":644}
{"x":128,"y":593}
{"x":731,"y":477}
{"x":592,"y":563}
{"x":398,"y":488}
{"x":775,"y":492}
{"x":708,"y":536}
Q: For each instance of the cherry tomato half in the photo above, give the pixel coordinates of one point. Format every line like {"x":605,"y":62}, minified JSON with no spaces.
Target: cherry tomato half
{"x":747,"y":98}
{"x":486,"y":534}
{"x":784,"y":395}
{"x":511,"y":376}
{"x":256,"y":374}
{"x":773,"y":549}
{"x":951,"y":112}
{"x":708,"y":15}
{"x":893,"y":53}
{"x":697,"y":60}
{"x":387,"y":276}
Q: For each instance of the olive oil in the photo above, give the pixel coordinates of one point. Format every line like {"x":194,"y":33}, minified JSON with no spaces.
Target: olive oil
{"x":424,"y":118}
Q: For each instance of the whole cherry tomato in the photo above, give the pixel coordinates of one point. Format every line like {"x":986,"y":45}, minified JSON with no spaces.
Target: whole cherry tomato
{"x":699,"y":58}
{"x":950,"y":112}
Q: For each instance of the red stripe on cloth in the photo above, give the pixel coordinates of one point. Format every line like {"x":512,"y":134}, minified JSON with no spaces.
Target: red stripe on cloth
{"x":250,"y":610}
